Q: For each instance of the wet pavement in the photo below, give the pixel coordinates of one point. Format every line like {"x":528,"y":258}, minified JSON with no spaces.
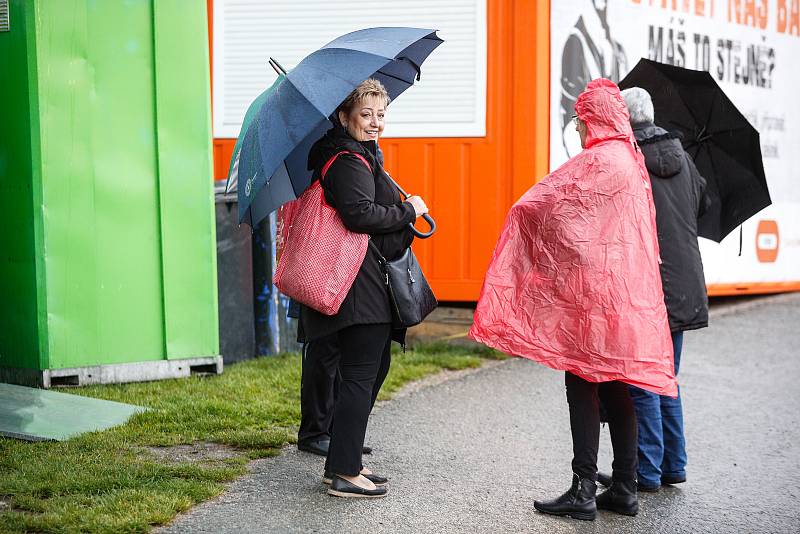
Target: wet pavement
{"x":471,"y":454}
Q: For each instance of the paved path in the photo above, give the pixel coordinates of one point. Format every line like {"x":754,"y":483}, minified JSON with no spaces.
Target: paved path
{"x":471,"y":454}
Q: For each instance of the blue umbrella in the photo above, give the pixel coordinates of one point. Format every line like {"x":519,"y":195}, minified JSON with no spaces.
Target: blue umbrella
{"x":249,"y":117}
{"x":272,"y":158}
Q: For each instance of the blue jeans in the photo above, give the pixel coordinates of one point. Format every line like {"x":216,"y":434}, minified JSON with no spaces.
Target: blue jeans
{"x":662,"y":447}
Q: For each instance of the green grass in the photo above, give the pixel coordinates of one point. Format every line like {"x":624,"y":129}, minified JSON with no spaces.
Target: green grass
{"x":110,"y":481}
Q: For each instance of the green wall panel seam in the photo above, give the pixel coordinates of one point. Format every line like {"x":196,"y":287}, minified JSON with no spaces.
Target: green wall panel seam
{"x":187,"y":230}
{"x":164,"y":345}
{"x":212,"y":216}
{"x":33,"y":24}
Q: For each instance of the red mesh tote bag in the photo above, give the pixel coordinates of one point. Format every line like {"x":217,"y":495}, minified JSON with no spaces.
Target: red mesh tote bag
{"x":319,"y":258}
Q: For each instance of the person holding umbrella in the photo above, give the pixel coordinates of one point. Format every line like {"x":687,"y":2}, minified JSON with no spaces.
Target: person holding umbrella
{"x":724,"y":146}
{"x":319,"y":384}
{"x":678,"y":197}
{"x":290,"y":140}
{"x":356,"y":185}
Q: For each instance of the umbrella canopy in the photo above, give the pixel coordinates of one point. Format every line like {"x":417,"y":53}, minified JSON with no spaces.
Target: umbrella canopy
{"x":272,"y":160}
{"x":249,"y":116}
{"x":724,"y":145}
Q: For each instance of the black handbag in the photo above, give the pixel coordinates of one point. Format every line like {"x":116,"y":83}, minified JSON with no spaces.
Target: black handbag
{"x":410,"y":295}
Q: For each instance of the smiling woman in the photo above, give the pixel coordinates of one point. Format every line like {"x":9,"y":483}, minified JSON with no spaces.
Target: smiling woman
{"x":363,"y":113}
{"x":350,"y":169}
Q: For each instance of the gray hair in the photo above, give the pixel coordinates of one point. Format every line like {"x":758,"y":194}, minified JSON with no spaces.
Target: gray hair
{"x":640,"y":105}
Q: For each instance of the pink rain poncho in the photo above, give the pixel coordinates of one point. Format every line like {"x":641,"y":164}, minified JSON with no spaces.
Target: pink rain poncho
{"x":574,"y":282}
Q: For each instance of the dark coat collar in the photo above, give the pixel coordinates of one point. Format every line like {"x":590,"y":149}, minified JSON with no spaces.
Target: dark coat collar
{"x":336,"y":140}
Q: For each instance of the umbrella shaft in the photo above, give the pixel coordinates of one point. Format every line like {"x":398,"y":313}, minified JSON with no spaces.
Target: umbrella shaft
{"x":277,"y":66}
{"x":402,"y":192}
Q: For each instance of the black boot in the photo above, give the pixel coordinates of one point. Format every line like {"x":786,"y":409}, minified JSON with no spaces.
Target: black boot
{"x":620,"y":498}
{"x":577,"y":502}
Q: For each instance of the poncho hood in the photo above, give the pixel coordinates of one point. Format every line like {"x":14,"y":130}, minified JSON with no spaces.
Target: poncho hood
{"x":574,"y":282}
{"x":603,"y":110}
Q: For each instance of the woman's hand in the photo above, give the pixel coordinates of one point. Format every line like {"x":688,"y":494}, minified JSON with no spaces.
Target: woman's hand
{"x":419,"y":205}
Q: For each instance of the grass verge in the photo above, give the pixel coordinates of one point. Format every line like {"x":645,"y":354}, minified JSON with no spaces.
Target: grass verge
{"x":117,"y":481}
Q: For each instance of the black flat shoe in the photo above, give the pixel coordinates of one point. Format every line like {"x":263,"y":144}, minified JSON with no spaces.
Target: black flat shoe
{"x":669,"y":480}
{"x":319,"y":447}
{"x":342,"y":488}
{"x":375,"y":479}
{"x":577,"y":503}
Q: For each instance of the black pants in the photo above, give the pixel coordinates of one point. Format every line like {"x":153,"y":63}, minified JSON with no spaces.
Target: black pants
{"x":584,"y":399}
{"x":319,"y":385}
{"x":363,"y":364}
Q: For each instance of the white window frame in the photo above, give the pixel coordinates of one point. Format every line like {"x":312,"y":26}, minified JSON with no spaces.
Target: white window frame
{"x":396,"y":127}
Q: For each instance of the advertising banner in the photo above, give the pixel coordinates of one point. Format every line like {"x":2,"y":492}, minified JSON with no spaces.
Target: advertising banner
{"x":750,"y":47}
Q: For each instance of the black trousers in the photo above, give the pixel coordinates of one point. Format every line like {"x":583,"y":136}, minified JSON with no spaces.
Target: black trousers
{"x":319,"y":384}
{"x":584,"y":399}
{"x":365,"y":355}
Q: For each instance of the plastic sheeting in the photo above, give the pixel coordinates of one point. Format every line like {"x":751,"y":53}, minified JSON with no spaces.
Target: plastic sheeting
{"x":574,"y":282}
{"x":38,"y":415}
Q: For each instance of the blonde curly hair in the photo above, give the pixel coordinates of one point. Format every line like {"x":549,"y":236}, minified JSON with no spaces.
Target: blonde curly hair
{"x":368,"y":88}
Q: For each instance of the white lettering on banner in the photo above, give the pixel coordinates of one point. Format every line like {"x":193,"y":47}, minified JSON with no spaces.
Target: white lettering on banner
{"x":749,"y":47}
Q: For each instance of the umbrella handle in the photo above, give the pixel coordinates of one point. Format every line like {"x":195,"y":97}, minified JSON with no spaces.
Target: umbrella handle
{"x":428,"y":218}
{"x":424,"y":235}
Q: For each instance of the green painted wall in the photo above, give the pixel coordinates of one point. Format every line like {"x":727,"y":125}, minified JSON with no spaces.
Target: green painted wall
{"x":127,"y":248}
{"x":22,"y":338}
{"x":185,"y":167}
{"x":100,"y":185}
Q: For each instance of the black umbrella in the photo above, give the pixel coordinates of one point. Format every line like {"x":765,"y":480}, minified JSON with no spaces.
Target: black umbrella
{"x":724,"y":145}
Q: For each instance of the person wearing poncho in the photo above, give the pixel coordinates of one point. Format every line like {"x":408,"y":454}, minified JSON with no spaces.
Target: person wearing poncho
{"x":574,"y":284}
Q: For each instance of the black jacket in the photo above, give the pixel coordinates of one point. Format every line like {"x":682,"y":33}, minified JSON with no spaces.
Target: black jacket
{"x":677,"y":194}
{"x":367,"y":203}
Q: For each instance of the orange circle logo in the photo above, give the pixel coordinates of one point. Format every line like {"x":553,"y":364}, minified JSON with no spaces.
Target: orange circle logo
{"x":767,"y":241}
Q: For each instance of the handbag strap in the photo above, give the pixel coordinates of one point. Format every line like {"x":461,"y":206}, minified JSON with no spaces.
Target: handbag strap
{"x":333,"y":158}
{"x":378,"y":252}
{"x":324,"y":171}
{"x":381,"y":259}
{"x":382,"y":262}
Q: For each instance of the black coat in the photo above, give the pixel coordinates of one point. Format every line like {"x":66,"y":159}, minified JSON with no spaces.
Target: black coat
{"x":677,"y":194}
{"x":367,"y":203}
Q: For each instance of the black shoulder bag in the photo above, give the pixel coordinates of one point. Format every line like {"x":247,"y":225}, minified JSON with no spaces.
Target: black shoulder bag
{"x":410,"y":295}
